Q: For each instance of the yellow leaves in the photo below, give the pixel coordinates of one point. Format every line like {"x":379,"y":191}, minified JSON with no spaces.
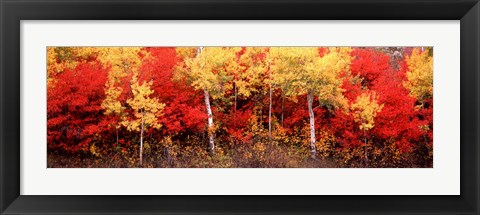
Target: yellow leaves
{"x":133,"y":125}
{"x":365,"y":110}
{"x":325,"y":143}
{"x":210,"y":68}
{"x":186,"y":52}
{"x":287,"y":65}
{"x":62,"y":58}
{"x":255,"y":127}
{"x":146,"y":110}
{"x":111,"y":104}
{"x":146,"y":147}
{"x":83,"y":53}
{"x":299,"y":69}
{"x":294,"y":69}
{"x":121,"y":60}
{"x":212,"y":129}
{"x":251,"y":76}
{"x":94,"y":150}
{"x":424,"y":128}
{"x":420,"y":74}
{"x":52,"y":66}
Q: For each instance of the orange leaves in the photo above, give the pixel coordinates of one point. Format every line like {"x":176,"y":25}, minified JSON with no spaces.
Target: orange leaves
{"x":100,"y":98}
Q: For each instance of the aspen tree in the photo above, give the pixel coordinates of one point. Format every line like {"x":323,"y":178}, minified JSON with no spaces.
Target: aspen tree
{"x":146,"y":110}
{"x":420,"y":74}
{"x":209,"y":69}
{"x":122,"y":61}
{"x":365,"y":110}
{"x":254,"y":76}
{"x":302,"y":70}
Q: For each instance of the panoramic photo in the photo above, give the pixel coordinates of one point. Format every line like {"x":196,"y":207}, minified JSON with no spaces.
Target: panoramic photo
{"x":239,"y":107}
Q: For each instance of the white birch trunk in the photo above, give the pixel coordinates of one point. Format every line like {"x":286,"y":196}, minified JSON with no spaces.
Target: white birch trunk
{"x":312,"y":123}
{"x":141,"y":142}
{"x":211,"y":145}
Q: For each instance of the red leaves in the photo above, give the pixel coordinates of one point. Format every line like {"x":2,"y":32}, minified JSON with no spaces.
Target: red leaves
{"x":76,"y":119}
{"x":369,"y":64}
{"x":74,"y":109}
{"x":398,"y":120}
{"x":184,"y":111}
{"x":237,"y":123}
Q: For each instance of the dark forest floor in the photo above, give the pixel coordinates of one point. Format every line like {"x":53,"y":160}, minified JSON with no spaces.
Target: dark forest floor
{"x":230,"y":156}
{"x":192,"y":158}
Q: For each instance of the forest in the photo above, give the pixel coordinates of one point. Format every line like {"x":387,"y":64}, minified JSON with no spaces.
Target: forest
{"x":239,"y":107}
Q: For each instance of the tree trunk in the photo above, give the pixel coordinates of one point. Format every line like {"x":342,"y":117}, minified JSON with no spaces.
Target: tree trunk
{"x":312,"y":123}
{"x":116,"y":130}
{"x":235,"y":109}
{"x":270,"y":116}
{"x":260,"y":103}
{"x":151,"y":136}
{"x":211,"y":145}
{"x":365,"y":139}
{"x":283,"y":101}
{"x":141,"y":141}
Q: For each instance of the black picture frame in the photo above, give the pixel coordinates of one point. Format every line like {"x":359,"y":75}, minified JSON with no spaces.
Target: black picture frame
{"x":13,"y":11}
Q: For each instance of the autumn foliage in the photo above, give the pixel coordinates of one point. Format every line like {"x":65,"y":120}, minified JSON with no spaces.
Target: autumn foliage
{"x":240,"y":107}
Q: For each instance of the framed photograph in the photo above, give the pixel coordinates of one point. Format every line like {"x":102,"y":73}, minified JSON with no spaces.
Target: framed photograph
{"x":239,"y":107}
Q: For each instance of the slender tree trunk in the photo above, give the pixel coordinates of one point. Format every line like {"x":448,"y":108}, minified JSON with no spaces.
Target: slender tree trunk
{"x":211,"y":145}
{"x":283,"y":101}
{"x":270,"y":116}
{"x":365,"y":139}
{"x":235,"y":109}
{"x":116,"y":130}
{"x":260,"y":101}
{"x":141,"y":141}
{"x":312,"y":123}
{"x":151,"y":136}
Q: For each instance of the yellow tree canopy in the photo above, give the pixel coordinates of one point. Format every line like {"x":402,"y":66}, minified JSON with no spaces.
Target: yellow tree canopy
{"x":61,"y":58}
{"x":209,"y":70}
{"x":298,"y":70}
{"x":186,"y":52}
{"x":253,"y":71}
{"x":54,"y":65}
{"x":365,"y":110}
{"x":145,"y":108}
{"x":111,"y":104}
{"x":122,"y":61}
{"x":420,"y":74}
